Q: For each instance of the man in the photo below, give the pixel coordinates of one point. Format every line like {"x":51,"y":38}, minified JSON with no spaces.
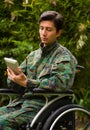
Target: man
{"x":50,"y":67}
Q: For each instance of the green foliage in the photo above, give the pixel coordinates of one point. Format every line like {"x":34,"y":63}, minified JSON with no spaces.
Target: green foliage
{"x":19,"y":32}
{"x":83,"y":97}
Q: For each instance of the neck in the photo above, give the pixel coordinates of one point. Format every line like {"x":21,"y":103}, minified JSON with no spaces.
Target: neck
{"x":44,"y":45}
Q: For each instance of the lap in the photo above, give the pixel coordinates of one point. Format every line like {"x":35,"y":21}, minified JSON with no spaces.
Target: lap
{"x":5,"y":110}
{"x":13,"y":118}
{"x":20,"y":113}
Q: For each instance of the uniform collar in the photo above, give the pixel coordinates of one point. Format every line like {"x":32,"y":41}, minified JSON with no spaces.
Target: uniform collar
{"x":47,"y":49}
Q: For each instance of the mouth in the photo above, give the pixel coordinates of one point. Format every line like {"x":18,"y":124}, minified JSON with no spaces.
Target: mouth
{"x":44,"y":39}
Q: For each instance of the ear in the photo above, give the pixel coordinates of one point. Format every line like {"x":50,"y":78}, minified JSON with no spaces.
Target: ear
{"x":59,"y":33}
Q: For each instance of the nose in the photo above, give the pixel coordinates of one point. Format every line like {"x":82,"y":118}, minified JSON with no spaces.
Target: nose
{"x":44,"y":32}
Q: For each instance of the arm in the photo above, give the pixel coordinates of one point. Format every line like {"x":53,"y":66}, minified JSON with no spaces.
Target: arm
{"x":59,"y":78}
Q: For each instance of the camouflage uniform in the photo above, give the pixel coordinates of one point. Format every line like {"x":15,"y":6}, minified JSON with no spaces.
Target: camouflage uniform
{"x":51,"y":67}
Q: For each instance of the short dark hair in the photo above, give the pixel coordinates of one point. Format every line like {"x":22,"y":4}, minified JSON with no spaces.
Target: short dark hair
{"x":54,"y":16}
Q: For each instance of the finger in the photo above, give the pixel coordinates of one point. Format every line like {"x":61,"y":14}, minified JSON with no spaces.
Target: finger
{"x":10,"y":72}
{"x":19,"y":70}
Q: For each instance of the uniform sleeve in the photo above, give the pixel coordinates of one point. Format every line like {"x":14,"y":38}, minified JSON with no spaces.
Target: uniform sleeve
{"x":60,"y":77}
{"x":15,"y":87}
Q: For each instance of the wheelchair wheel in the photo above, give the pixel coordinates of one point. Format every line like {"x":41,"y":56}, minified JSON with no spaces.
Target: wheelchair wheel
{"x":68,"y":118}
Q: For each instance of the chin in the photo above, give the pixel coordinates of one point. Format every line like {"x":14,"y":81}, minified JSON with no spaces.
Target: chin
{"x":44,"y":42}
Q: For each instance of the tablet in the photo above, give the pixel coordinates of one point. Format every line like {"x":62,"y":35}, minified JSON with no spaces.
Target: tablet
{"x":12,"y":63}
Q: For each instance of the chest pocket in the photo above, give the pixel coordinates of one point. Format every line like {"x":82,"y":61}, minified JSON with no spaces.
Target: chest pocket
{"x":47,"y":70}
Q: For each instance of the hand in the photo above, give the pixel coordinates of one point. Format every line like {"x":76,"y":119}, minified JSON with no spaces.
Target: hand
{"x":19,"y":78}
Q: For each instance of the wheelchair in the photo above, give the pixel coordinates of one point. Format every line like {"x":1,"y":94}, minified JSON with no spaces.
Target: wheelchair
{"x":59,"y":112}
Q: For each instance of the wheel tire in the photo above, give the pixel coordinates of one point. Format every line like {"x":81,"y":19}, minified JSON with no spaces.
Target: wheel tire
{"x":60,"y":112}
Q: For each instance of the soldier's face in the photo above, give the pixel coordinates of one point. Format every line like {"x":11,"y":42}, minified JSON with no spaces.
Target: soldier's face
{"x":48,"y":32}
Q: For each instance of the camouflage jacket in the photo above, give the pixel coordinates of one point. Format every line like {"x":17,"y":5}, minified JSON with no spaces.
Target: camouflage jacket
{"x":52,"y":67}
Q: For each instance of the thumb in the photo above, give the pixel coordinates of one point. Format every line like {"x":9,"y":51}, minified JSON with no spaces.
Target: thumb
{"x":19,"y":69}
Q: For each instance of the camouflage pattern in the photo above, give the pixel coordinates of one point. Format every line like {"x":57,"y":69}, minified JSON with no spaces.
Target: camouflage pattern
{"x":52,"y":67}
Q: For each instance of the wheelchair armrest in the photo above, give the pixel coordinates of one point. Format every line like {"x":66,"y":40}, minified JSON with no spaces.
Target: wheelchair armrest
{"x":9,"y":93}
{"x":5,"y":91}
{"x":46,"y":91}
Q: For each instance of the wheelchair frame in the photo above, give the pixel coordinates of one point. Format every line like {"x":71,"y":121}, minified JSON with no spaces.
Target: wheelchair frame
{"x":57,"y":113}
{"x":56,"y":98}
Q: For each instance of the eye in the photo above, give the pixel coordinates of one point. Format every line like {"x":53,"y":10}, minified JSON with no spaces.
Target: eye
{"x":41,"y":28}
{"x":49,"y":29}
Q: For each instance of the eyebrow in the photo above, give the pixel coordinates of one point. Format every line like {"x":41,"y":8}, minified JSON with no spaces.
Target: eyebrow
{"x":46,"y":26}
